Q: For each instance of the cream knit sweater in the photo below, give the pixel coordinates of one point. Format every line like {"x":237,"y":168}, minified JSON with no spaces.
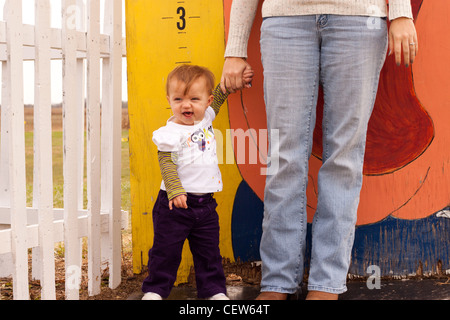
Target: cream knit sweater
{"x":243,"y":13}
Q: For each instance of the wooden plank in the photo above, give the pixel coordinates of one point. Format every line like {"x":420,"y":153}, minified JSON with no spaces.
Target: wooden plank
{"x":4,"y":139}
{"x":58,"y":214}
{"x":80,"y":123}
{"x":43,"y":170}
{"x":93,"y":147}
{"x":55,"y":40}
{"x":111,"y":134}
{"x":32,"y":236}
{"x":15,"y":115}
{"x":80,"y":119}
{"x":71,"y":241}
{"x":5,"y":260}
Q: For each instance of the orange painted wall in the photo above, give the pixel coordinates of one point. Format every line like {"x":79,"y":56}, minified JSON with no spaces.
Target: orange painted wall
{"x":404,"y":212}
{"x":406,"y":167}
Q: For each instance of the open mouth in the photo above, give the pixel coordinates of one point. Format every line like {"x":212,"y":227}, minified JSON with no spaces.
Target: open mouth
{"x":188,"y":114}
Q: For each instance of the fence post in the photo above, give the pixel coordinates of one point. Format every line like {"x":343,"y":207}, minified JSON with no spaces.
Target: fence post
{"x":43,"y":170}
{"x":17,"y":181}
{"x":111,"y":135}
{"x":4,"y":142}
{"x":93,"y":147}
{"x":80,"y":26}
{"x":70,"y":169}
{"x":6,"y":260}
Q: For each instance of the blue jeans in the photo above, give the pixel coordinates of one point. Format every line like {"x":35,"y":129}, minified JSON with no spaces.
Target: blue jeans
{"x":345,"y":55}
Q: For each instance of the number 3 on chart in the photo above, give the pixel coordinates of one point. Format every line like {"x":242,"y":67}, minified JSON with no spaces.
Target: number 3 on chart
{"x":182,"y":12}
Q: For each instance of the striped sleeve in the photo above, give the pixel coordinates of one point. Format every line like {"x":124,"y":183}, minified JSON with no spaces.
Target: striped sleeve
{"x":219,"y":99}
{"x":167,"y":163}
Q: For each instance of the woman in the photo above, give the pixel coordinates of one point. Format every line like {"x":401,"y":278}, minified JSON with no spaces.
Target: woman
{"x":340,"y":45}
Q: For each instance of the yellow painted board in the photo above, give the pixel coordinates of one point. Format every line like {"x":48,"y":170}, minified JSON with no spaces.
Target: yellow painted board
{"x":161,"y":35}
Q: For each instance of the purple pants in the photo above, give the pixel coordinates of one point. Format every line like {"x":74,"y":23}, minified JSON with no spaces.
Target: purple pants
{"x":199,"y":224}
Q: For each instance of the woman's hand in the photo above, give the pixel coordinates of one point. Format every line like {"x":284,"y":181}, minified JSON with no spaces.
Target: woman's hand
{"x":232,"y":74}
{"x":403,"y":37}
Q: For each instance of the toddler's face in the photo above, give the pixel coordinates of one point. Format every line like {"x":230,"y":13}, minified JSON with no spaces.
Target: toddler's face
{"x":189,"y":108}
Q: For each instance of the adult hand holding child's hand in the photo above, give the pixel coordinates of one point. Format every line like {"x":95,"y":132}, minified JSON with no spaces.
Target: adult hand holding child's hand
{"x":235,"y":75}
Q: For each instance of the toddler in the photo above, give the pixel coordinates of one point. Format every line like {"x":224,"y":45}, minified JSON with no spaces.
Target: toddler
{"x":185,"y":207}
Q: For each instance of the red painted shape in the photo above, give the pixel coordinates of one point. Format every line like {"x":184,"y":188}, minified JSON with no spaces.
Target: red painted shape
{"x":400,"y":128}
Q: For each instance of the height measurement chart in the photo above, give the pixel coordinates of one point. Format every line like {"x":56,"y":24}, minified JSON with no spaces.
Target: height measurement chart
{"x":183,"y":30}
{"x":160,"y":36}
{"x":181,"y":20}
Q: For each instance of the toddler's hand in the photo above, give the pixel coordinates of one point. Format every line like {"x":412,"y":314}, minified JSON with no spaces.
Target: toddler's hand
{"x":247,"y":76}
{"x":179,"y":202}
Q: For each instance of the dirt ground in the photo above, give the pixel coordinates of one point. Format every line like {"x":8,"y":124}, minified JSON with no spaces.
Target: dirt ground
{"x":237,"y":273}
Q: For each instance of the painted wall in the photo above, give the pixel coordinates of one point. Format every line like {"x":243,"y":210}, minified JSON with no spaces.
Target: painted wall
{"x":403,"y":219}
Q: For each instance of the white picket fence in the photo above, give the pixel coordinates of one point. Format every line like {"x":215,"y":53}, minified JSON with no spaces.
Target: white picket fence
{"x":78,"y":43}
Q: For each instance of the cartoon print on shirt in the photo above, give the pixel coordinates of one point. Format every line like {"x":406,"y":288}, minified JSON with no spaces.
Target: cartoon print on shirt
{"x":198,"y":137}
{"x":201,"y":137}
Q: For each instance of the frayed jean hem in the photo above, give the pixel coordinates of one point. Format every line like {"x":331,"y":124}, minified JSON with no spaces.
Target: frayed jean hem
{"x":327,"y":289}
{"x":278,"y":289}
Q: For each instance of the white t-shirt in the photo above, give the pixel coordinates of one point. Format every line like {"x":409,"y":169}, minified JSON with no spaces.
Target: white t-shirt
{"x":197,"y":164}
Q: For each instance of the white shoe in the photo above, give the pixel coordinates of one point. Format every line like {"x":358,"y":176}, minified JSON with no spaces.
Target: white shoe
{"x":151,"y":296}
{"x":219,"y":296}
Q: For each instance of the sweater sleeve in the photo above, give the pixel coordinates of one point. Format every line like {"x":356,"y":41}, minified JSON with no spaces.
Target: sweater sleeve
{"x":400,"y":8}
{"x":242,"y":15}
{"x":219,"y":99}
{"x":167,"y":163}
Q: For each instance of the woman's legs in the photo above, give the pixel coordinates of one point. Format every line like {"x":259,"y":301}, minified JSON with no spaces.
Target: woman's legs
{"x":346,"y":55}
